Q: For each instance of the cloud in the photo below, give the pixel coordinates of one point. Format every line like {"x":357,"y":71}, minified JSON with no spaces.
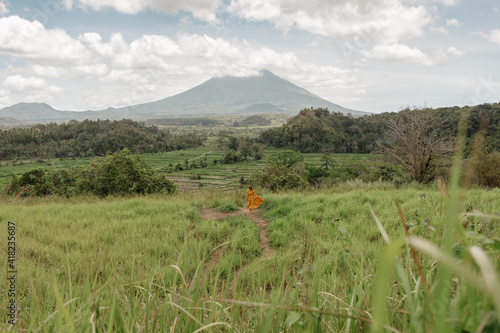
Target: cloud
{"x":493,"y":36}
{"x":449,"y":2}
{"x":453,"y":22}
{"x":34,"y":89}
{"x":204,"y":10}
{"x":91,"y":71}
{"x":67,"y":4}
{"x":455,"y":52}
{"x":49,"y":71}
{"x":401,"y":52}
{"x":144,"y":69}
{"x":3,"y":8}
{"x":441,"y":30}
{"x":386,"y":21}
{"x":30,"y":40}
{"x":4,"y":99}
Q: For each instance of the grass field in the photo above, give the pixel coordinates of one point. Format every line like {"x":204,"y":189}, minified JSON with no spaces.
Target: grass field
{"x":158,"y":264}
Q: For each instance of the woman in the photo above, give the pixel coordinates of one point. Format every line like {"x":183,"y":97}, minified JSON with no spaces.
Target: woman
{"x":253,"y":201}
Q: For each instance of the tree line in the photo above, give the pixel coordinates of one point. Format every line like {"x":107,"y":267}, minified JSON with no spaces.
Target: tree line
{"x":319,"y":130}
{"x":91,"y":138}
{"x":421,"y":141}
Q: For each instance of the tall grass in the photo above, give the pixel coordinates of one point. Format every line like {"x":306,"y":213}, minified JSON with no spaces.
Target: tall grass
{"x":151,"y":264}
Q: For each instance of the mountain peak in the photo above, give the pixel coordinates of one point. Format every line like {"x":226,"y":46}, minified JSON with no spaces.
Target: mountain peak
{"x":217,"y":96}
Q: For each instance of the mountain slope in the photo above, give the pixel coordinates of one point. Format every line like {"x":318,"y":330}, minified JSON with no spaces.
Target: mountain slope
{"x":32,"y":111}
{"x":232,"y":94}
{"x":217,"y":96}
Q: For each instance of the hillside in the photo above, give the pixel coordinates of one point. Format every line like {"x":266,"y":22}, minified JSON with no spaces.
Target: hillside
{"x":318,"y":130}
{"x":233,"y":94}
{"x":7,"y":122}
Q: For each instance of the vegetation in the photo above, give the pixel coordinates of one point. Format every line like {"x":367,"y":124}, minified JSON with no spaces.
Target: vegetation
{"x":154,"y":265}
{"x":285,"y":170}
{"x":90,"y":138}
{"x":255,"y":120}
{"x":239,"y":149}
{"x":483,"y":166}
{"x":419,"y":139}
{"x":194,"y":121}
{"x":319,"y":130}
{"x":289,"y":169}
{"x":414,"y":141}
{"x":366,"y":251}
{"x":117,"y":174}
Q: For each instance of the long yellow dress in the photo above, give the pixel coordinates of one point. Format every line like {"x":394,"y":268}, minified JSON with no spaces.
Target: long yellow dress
{"x":253,"y":201}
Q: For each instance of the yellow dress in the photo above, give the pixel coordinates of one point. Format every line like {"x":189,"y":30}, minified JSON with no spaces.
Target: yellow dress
{"x":253,"y":201}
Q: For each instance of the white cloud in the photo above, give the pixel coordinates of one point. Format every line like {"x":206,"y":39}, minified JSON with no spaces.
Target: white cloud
{"x":386,"y":21}
{"x":401,"y":52}
{"x":49,"y":71}
{"x":30,"y":40}
{"x":201,"y":9}
{"x":67,"y":4}
{"x":455,"y":52}
{"x":493,"y":36}
{"x":3,"y":8}
{"x":19,"y":84}
{"x":453,"y":22}
{"x":313,"y":44}
{"x":449,"y":2}
{"x":91,"y":71}
{"x":4,"y":98}
{"x":145,"y":69}
{"x":441,"y":30}
{"x":33,"y":89}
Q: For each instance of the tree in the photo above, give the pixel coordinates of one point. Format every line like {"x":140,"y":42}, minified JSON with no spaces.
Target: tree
{"x":285,"y":170}
{"x":414,"y":141}
{"x":122,"y":173}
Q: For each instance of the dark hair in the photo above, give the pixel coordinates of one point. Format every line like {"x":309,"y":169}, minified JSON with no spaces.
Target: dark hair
{"x":250,"y":188}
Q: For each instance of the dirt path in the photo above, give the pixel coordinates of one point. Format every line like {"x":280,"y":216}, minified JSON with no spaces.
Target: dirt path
{"x":255,"y":216}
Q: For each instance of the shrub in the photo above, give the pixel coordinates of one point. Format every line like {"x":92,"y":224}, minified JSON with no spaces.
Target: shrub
{"x":120,"y":173}
{"x":483,"y":169}
{"x":286,"y":170}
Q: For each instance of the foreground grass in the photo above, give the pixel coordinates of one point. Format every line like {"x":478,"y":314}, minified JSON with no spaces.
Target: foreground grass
{"x":150,"y":264}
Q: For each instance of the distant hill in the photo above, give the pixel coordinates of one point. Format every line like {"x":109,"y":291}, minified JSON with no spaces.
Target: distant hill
{"x":217,"y":96}
{"x":260,"y":108}
{"x":6,"y":122}
{"x":41,"y":112}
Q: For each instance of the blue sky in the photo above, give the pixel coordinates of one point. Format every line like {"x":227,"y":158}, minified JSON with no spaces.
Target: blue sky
{"x":375,"y":56}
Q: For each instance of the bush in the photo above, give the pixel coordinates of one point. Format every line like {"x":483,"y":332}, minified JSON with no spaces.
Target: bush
{"x":120,"y":173}
{"x":286,"y":170}
{"x":483,"y":169}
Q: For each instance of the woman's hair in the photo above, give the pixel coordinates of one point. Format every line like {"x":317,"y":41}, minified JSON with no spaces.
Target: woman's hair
{"x":250,"y":188}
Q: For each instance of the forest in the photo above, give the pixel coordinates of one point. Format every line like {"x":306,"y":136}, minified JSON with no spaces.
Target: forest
{"x":91,"y":138}
{"x":319,"y":130}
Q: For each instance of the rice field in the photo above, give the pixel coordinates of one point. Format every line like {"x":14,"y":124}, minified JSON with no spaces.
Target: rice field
{"x":215,"y":175}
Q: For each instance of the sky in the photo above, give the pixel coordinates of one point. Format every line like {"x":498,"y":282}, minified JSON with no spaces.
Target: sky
{"x":375,"y":56}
